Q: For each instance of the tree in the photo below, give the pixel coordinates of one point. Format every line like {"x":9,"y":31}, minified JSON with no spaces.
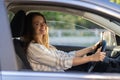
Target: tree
{"x":66,"y":21}
{"x":116,"y":1}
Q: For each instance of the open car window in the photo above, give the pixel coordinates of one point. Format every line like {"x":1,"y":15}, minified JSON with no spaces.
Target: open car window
{"x":71,"y":30}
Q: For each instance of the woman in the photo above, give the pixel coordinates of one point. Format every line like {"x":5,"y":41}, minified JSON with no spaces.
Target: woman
{"x":43,"y":56}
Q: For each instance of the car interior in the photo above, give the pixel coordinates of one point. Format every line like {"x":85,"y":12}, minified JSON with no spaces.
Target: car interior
{"x":18,"y":20}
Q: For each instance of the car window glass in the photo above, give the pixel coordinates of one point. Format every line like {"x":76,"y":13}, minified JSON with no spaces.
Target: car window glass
{"x":10,"y":15}
{"x":71,"y":30}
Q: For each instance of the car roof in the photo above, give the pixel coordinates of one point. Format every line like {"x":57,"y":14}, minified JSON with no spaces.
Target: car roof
{"x":104,"y":3}
{"x":99,"y":6}
{"x":108,"y":10}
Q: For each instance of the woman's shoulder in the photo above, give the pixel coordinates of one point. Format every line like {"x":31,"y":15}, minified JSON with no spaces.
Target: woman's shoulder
{"x":34,"y":43}
{"x":52,"y":47}
{"x":37,"y":45}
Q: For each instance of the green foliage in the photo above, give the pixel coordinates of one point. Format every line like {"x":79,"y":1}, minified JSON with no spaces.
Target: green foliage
{"x":10,"y":15}
{"x":116,"y":1}
{"x":67,"y":21}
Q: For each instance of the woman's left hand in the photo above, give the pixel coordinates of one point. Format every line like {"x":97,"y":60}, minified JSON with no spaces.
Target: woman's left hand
{"x":96,"y":45}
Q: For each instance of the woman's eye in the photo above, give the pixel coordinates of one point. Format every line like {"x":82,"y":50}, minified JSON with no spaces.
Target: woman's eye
{"x":36,"y":24}
{"x":39,"y":24}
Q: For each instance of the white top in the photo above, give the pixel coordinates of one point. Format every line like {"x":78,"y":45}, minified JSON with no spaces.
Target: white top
{"x":43,"y":59}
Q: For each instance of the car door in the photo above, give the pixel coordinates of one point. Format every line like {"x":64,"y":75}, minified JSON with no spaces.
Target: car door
{"x":93,"y":11}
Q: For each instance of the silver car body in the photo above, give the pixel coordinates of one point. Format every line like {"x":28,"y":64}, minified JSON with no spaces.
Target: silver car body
{"x":8,"y":63}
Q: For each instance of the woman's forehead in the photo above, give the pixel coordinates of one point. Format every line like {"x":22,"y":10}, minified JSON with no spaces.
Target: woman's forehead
{"x":38,"y":19}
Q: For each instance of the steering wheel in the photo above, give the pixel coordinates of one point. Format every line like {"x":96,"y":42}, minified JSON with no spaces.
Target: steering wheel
{"x":103,"y":45}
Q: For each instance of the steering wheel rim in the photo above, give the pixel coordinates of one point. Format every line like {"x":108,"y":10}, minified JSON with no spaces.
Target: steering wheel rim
{"x":103,"y":45}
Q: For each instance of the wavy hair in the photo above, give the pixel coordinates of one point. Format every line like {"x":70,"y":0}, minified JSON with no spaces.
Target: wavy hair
{"x":29,"y":31}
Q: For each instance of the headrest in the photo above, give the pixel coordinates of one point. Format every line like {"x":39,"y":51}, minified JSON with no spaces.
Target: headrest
{"x":17,"y":24}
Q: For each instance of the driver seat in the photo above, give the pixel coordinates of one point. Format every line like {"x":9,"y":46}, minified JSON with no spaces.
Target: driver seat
{"x":17,"y":25}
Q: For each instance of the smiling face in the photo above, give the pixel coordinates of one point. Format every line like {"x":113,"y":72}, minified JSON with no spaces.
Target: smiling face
{"x":39,"y":25}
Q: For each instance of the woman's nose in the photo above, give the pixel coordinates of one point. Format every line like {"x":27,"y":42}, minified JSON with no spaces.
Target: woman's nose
{"x":42,"y":25}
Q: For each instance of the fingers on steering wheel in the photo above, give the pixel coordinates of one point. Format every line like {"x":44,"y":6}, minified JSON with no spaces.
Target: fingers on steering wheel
{"x":102,"y":56}
{"x":99,"y":49}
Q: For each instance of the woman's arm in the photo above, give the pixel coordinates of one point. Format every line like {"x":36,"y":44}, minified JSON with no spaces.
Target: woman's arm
{"x":83,"y":51}
{"x":87,"y":50}
{"x":41,"y":55}
{"x":98,"y":56}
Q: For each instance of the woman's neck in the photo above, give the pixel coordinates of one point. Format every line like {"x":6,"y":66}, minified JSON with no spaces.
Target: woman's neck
{"x":38,"y":39}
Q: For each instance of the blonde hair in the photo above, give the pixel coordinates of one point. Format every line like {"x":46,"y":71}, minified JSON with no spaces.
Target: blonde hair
{"x":45,"y":39}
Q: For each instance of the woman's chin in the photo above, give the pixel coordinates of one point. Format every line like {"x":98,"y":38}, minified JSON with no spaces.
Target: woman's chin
{"x":42,"y":33}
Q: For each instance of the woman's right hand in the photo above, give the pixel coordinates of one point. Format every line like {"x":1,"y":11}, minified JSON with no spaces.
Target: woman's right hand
{"x":98,"y":56}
